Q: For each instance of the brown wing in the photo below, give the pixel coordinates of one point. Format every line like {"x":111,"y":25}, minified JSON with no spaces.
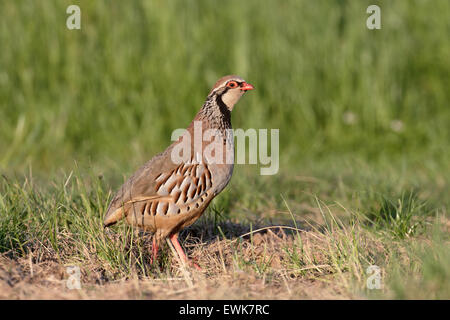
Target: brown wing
{"x":134,"y":186}
{"x":173,"y":190}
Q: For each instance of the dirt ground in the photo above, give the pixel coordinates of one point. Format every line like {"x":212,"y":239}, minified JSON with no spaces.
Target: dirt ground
{"x":221,"y":277}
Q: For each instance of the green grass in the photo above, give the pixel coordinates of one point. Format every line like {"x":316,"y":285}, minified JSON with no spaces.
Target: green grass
{"x":363,"y":118}
{"x":61,"y":220}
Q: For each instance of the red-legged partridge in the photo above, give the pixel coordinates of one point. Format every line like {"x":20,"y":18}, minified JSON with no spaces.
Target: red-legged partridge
{"x":167,"y":195}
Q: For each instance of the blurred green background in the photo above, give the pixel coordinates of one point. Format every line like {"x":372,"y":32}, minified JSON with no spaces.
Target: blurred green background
{"x":109,"y":95}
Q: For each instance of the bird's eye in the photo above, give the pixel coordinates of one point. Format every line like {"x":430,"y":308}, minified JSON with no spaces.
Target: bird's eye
{"x":232,"y":84}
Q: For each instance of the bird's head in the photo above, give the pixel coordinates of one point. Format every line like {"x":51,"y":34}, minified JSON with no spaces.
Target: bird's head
{"x":229,"y":90}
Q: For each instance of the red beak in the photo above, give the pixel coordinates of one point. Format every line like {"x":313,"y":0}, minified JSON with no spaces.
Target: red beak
{"x":246,"y":86}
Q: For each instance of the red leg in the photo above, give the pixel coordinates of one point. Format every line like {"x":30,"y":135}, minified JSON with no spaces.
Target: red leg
{"x":174,"y":239}
{"x":154,"y":250}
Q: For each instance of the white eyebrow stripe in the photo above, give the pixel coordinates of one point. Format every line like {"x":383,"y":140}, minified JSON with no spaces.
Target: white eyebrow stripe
{"x":225,"y":82}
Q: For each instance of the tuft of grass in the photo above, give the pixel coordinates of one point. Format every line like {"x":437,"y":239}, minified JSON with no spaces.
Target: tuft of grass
{"x":401,"y":216}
